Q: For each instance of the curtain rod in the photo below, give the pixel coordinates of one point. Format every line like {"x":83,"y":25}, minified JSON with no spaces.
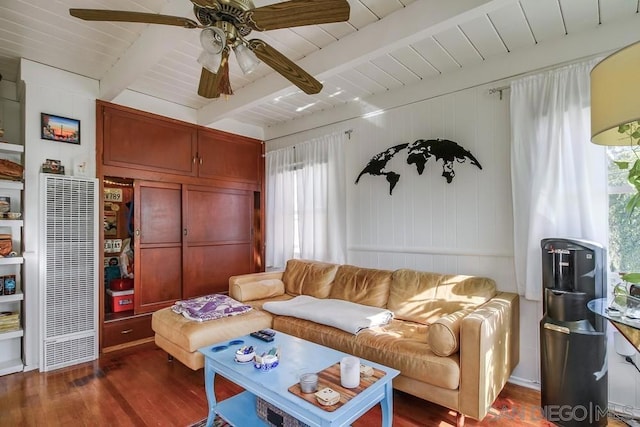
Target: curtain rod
{"x":499,"y":89}
{"x":347,"y":132}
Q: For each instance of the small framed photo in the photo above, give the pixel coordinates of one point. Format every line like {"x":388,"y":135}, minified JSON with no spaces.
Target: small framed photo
{"x":53,"y":166}
{"x":57,"y":128}
{"x":110,"y":223}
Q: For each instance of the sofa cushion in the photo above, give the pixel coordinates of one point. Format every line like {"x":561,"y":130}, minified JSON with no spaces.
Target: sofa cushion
{"x":302,"y":277}
{"x":443,"y":335}
{"x":401,"y":345}
{"x":260,"y":289}
{"x":366,"y":286}
{"x":425,"y":297}
{"x":190,"y":335}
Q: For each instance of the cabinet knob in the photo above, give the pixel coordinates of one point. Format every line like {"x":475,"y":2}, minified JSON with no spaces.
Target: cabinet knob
{"x":194,"y":160}
{"x":200,"y":160}
{"x":184,"y":231}
{"x":137,"y":231}
{"x":126,"y":331}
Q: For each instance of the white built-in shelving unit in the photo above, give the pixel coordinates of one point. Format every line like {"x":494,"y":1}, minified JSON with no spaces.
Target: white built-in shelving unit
{"x":11,"y":345}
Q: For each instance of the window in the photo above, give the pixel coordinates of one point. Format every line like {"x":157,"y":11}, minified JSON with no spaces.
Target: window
{"x":624,"y":230}
{"x":305,"y":200}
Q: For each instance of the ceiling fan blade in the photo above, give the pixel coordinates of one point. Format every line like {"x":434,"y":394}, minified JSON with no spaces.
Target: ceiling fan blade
{"x":204,"y":3}
{"x":295,"y":13}
{"x":285,"y":66}
{"x":127,"y":16}
{"x":210,"y":85}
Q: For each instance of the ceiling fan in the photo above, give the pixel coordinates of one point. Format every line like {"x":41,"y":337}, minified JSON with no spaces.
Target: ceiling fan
{"x":225,"y":24}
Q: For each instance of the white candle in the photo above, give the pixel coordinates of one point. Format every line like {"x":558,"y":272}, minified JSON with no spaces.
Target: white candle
{"x":350,"y":372}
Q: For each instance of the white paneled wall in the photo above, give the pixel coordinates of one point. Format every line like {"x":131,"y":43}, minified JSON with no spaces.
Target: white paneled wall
{"x":429,"y":224}
{"x":461,"y":227}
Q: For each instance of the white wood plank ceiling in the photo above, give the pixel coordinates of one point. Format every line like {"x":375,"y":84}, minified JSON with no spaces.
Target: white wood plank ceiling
{"x":386,"y":44}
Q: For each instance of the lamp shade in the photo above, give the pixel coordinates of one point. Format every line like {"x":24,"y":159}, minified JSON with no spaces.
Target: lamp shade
{"x":210,"y":61}
{"x":213,"y":40}
{"x":247,"y":60}
{"x":615,"y":95}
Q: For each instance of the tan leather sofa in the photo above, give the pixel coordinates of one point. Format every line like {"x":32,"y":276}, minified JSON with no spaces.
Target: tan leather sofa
{"x":455,"y":339}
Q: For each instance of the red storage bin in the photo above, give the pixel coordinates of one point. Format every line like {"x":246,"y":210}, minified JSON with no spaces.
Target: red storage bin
{"x":120,"y":300}
{"x":121,"y":284}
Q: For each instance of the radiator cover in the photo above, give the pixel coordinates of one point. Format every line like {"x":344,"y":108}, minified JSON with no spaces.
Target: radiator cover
{"x":68,"y":270}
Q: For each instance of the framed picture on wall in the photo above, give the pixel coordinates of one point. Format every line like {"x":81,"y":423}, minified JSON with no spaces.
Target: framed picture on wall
{"x":53,"y":166}
{"x":110,"y":223}
{"x":57,"y":128}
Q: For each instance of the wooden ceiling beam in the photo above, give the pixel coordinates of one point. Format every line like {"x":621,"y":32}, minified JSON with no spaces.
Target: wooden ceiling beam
{"x":155,"y":42}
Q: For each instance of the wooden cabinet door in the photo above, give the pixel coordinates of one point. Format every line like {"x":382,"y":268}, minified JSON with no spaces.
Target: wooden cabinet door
{"x":142,"y":141}
{"x":229,"y":157}
{"x":218,"y":243}
{"x":158,"y":245}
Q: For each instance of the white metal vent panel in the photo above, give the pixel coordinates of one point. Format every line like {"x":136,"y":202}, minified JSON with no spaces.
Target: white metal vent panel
{"x":68,"y":351}
{"x":69,"y":270}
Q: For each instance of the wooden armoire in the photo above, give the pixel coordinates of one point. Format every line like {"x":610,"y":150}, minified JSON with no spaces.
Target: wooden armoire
{"x":191,"y":204}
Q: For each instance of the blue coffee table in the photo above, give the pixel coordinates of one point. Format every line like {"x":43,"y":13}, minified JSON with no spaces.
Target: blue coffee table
{"x":297,"y":356}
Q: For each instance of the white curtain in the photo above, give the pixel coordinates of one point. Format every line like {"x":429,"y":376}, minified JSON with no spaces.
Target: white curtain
{"x":559,"y":178}
{"x":306,"y":204}
{"x":280,"y":209}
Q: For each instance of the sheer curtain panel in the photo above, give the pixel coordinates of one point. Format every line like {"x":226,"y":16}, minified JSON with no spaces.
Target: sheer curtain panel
{"x":281,"y":211}
{"x":306,"y":205}
{"x":559,"y":178}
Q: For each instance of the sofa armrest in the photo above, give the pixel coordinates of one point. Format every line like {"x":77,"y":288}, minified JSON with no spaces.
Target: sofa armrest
{"x":255,"y":286}
{"x":489,"y":351}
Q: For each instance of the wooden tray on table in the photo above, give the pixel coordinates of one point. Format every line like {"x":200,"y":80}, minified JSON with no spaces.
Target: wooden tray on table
{"x":330,"y":377}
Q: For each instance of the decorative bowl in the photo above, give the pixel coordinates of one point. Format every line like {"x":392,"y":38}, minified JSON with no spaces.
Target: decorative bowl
{"x":245,"y":355}
{"x":265,"y":363}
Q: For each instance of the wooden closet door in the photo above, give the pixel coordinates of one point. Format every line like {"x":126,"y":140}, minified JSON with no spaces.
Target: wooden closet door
{"x":218,"y":243}
{"x":140,"y":140}
{"x":229,"y":157}
{"x":158,"y":245}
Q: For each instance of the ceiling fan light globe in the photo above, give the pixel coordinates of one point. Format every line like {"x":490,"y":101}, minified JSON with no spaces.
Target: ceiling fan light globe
{"x":247,"y":60}
{"x":213,"y":40}
{"x":210,"y":61}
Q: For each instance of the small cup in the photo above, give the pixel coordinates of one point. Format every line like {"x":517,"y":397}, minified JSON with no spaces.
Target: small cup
{"x":309,"y":383}
{"x":14,"y":215}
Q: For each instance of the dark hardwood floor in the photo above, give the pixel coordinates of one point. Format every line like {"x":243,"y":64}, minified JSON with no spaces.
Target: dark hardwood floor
{"x":139,"y":387}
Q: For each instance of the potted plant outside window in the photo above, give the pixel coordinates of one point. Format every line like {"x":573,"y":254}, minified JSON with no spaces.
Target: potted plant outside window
{"x":631,"y":281}
{"x":632,"y":130}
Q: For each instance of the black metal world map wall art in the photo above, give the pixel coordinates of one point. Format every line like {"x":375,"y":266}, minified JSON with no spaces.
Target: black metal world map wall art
{"x":418,"y":153}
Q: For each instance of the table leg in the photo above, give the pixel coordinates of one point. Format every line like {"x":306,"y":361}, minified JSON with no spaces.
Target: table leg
{"x":387,"y":405}
{"x":209,"y":378}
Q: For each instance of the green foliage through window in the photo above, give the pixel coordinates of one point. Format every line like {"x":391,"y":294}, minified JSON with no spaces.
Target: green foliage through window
{"x":624,"y":228}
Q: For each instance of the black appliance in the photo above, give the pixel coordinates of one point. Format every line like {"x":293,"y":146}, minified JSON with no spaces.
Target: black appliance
{"x":573,"y":340}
